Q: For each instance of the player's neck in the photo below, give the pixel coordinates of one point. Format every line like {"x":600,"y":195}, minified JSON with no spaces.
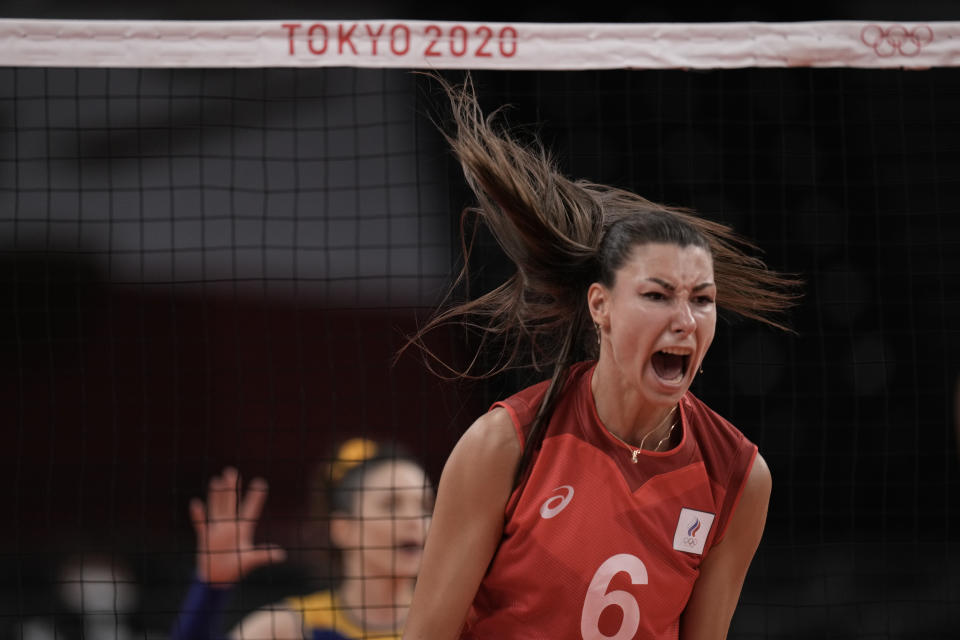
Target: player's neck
{"x":624,"y":411}
{"x":376,"y":603}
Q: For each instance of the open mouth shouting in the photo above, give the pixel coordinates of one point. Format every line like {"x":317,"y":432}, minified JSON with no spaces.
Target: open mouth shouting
{"x":410,"y":547}
{"x":671,"y":364}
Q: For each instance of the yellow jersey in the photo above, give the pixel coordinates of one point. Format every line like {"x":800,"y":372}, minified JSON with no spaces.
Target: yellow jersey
{"x":325,"y":618}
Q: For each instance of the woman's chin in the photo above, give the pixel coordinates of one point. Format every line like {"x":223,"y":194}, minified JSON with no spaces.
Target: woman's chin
{"x":407,"y":564}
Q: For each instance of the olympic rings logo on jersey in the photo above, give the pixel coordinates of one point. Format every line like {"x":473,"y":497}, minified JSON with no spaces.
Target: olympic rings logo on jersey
{"x":896,"y":39}
{"x":557,"y":503}
{"x":693,"y":529}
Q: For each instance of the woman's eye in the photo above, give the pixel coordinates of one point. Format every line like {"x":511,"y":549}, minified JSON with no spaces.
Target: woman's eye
{"x":703,"y":300}
{"x":654,"y":295}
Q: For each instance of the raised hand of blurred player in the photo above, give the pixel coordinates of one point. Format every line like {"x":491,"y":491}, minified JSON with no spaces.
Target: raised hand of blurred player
{"x":225,"y":525}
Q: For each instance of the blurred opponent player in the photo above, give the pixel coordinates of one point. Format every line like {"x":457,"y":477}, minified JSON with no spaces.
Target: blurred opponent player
{"x":380,"y":503}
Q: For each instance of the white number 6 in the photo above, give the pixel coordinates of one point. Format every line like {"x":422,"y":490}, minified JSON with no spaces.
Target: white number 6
{"x":598,"y":599}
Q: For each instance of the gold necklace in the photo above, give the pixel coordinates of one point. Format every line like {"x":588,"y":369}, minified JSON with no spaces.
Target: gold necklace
{"x":636,"y":451}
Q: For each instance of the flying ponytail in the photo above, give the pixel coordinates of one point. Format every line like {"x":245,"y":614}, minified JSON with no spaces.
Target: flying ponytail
{"x":562,"y":235}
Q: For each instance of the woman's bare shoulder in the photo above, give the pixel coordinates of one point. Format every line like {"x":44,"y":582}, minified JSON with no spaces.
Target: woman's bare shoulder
{"x":491,"y":439}
{"x":273,"y":622}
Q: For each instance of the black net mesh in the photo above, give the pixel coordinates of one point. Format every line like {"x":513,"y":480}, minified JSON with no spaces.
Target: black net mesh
{"x":212,"y":267}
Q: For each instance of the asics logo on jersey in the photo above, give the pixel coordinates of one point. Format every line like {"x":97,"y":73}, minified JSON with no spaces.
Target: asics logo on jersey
{"x":556,"y":503}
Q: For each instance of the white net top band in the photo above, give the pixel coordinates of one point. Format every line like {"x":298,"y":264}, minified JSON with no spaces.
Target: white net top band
{"x":473,"y":45}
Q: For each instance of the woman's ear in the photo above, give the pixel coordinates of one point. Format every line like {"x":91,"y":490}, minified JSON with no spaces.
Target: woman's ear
{"x":344,"y":532}
{"x":597,"y":301}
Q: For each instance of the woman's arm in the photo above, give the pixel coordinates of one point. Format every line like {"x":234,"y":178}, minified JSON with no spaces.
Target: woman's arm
{"x":226,"y":552}
{"x":467,"y":526}
{"x":715,"y":595}
{"x":225,"y":525}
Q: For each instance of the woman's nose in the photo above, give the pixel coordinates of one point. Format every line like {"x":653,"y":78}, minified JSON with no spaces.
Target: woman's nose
{"x":683,"y":320}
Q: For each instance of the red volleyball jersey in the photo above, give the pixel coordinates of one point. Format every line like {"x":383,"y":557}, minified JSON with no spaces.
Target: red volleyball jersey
{"x":596,"y":546}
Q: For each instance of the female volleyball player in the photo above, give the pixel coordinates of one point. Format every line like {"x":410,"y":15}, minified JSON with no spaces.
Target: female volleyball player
{"x":607,"y":501}
{"x":380,"y":504}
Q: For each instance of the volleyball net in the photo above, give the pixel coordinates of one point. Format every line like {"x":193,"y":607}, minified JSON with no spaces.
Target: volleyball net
{"x":216,"y":235}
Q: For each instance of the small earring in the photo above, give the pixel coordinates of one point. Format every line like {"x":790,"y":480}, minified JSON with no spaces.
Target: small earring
{"x":598,"y":332}
{"x":701,"y":368}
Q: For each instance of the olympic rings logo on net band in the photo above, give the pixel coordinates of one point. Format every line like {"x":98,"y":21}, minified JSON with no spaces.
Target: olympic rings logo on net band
{"x":896,"y":39}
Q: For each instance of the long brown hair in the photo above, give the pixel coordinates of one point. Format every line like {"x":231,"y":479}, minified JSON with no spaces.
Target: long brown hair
{"x":562,"y":235}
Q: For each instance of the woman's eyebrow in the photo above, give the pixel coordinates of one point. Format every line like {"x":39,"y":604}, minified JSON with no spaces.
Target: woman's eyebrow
{"x":666,"y":285}
{"x":662,"y":283}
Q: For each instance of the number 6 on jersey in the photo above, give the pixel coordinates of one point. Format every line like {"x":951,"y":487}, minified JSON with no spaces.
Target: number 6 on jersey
{"x":598,"y":599}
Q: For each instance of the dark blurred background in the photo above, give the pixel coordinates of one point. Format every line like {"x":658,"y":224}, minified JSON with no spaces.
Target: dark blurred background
{"x":560,"y":10}
{"x":204,"y":267}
